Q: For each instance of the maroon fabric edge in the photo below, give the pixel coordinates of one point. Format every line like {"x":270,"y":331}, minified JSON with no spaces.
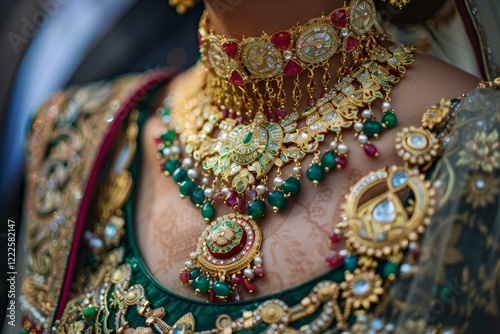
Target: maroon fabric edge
{"x":149,"y":82}
{"x":472,"y":34}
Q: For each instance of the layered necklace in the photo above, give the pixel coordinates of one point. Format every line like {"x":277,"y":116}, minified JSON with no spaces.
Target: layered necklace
{"x":237,"y":134}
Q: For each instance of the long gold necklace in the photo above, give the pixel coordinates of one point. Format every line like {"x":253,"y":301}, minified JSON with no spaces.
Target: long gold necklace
{"x":238,"y":138}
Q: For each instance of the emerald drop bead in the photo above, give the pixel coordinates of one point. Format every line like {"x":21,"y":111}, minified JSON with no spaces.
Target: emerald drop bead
{"x":257,"y":209}
{"x":291,"y":187}
{"x":208,"y":211}
{"x":315,"y":173}
{"x":221,"y":289}
{"x":89,"y":312}
{"x":194,"y":274}
{"x":169,"y":136}
{"x":351,"y":263}
{"x":372,"y":128}
{"x":171,"y":166}
{"x":201,"y":284}
{"x":277,"y":199}
{"x":187,"y":187}
{"x":328,"y":161}
{"x":389,"y":119}
{"x":389,"y":269}
{"x":179,"y":175}
{"x":198,"y":197}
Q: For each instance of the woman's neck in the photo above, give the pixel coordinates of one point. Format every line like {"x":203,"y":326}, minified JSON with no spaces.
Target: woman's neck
{"x":238,"y":18}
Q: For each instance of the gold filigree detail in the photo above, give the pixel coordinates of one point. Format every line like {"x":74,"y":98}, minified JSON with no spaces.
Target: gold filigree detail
{"x":437,"y":115}
{"x":481,"y":189}
{"x":482,"y":153}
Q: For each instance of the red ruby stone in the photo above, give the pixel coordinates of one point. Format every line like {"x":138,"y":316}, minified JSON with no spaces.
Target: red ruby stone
{"x":225,"y":113}
{"x":212,"y":297}
{"x":272,"y":115}
{"x":251,"y":288}
{"x":334,"y":238}
{"x":281,"y":112}
{"x":311,"y":102}
{"x":158,"y":139}
{"x":292,"y":68}
{"x":259,"y":272}
{"x":184,"y":276}
{"x":231,"y":49}
{"x":351,"y":44}
{"x":415,"y":254}
{"x":334,"y":260}
{"x":242,"y":205}
{"x":236,"y":78}
{"x":232,"y":199}
{"x":281,"y":40}
{"x":370,"y":150}
{"x":236,"y":279}
{"x":341,"y":160}
{"x":236,"y":297}
{"x":339,"y":18}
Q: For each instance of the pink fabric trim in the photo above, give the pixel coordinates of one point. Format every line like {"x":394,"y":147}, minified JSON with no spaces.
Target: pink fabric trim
{"x":472,"y":34}
{"x":149,"y":83}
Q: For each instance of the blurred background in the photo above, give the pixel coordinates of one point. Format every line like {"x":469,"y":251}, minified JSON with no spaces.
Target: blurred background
{"x":46,"y":45}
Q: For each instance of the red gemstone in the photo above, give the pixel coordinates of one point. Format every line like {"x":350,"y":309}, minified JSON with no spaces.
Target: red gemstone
{"x":272,"y":115}
{"x":281,"y":112}
{"x":236,"y":78}
{"x":339,"y":18}
{"x":415,"y":254}
{"x":218,"y":198}
{"x":184,"y":276}
{"x":334,"y":260}
{"x":158,"y":139}
{"x":236,"y":279}
{"x":236,"y":297}
{"x":334,"y":238}
{"x":370,"y":150}
{"x":212,"y":297}
{"x":231,"y":49}
{"x":281,"y":40}
{"x":232,"y":199}
{"x":225,"y":113}
{"x":351,"y":44}
{"x":311,"y":102}
{"x":251,"y":288}
{"x":259,"y":272}
{"x":200,"y":41}
{"x":242,"y":205}
{"x":162,"y":166}
{"x":292,"y":68}
{"x":341,"y":160}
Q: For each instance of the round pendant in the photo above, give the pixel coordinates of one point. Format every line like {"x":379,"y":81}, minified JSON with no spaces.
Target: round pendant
{"x":317,"y":42}
{"x":362,"y":16}
{"x":262,"y":59}
{"x":217,"y":57}
{"x":383,"y":225}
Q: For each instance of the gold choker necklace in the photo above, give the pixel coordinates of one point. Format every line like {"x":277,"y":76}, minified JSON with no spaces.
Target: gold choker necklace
{"x":231,"y":147}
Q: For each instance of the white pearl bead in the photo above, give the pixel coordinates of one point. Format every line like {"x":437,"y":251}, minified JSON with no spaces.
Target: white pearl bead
{"x":366,"y":114}
{"x":343,"y":148}
{"x":358,"y":126}
{"x":386,"y":105}
{"x":167,"y":151}
{"x":192,"y":173}
{"x":248,"y":273}
{"x":334,"y":144}
{"x":205,"y":180}
{"x":296,"y":170}
{"x":208,"y":192}
{"x":278,"y":181}
{"x":362,"y":138}
{"x":175,"y":150}
{"x":193,"y":255}
{"x":225,"y":191}
{"x":257,"y":260}
{"x":187,"y":163}
{"x":413,"y":245}
{"x":189,"y":264}
{"x":343,"y":253}
{"x":260,"y":189}
{"x":405,"y":269}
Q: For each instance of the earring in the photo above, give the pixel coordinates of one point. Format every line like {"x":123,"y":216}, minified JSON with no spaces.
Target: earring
{"x":398,"y":3}
{"x":181,"y":6}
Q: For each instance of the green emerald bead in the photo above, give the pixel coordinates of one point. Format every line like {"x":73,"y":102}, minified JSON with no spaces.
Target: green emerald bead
{"x":328,"y":161}
{"x":257,"y":209}
{"x":171,"y":166}
{"x":372,"y":128}
{"x":201,"y":284}
{"x":89,"y":312}
{"x":277,"y":199}
{"x":351,"y":262}
{"x":169,"y":136}
{"x":23,"y":331}
{"x":165,"y":112}
{"x":194,"y":274}
{"x":187,"y":187}
{"x":315,"y":173}
{"x":389,"y":119}
{"x":179,"y":175}
{"x":221,"y":289}
{"x":198,"y":197}
{"x":208,"y":211}
{"x":390,"y":269}
{"x":291,"y":187}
